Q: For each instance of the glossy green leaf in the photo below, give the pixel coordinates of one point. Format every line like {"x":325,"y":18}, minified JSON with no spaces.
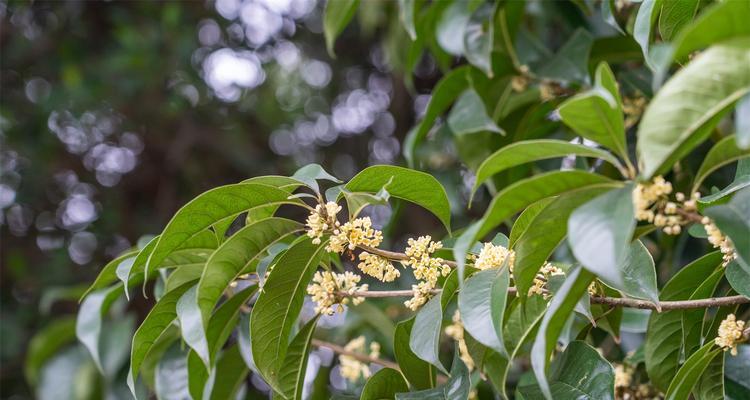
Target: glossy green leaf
{"x":736,"y":373}
{"x":723,"y":195}
{"x":208,"y":208}
{"x":560,"y":309}
{"x":469,"y":115}
{"x":417,"y":187}
{"x":738,"y":278}
{"x":599,"y":233}
{"x":664,"y":333}
{"x":171,"y":375}
{"x":89,"y":320}
{"x":45,"y":344}
{"x":722,"y":21}
{"x":675,"y":15}
{"x":515,"y":198}
{"x":292,"y":370}
{"x":580,"y":372}
{"x":310,"y":174}
{"x":420,"y":374}
{"x":608,"y":15}
{"x":570,"y":62}
{"x":742,"y":122}
{"x":478,"y":37}
{"x":235,"y":257}
{"x":733,"y":219}
{"x":692,"y":320}
{"x":336,"y":16}
{"x":644,"y":22}
{"x":451,"y":26}
{"x":525,"y":219}
{"x":384,"y":385}
{"x":156,"y":323}
{"x":182,"y":275}
{"x":686,"y":378}
{"x":457,"y":387}
{"x":526,"y":151}
{"x":691,"y":103}
{"x":722,"y":153}
{"x":230,"y":374}
{"x":407,"y":13}
{"x":597,"y":114}
{"x":545,"y":233}
{"x":279,"y":304}
{"x":108,"y":274}
{"x":192,"y":325}
{"x":638,"y":273}
{"x":710,"y":385}
{"x":482,"y":306}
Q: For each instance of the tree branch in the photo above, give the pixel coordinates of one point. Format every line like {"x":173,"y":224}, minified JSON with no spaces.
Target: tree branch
{"x":357,"y":356}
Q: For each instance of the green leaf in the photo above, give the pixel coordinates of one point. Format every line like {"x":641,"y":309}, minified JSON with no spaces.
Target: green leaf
{"x":279,"y":304}
{"x":710,"y":386}
{"x":171,"y":375}
{"x":720,"y":22}
{"x":182,"y":275}
{"x":156,"y":323}
{"x":675,"y":15}
{"x":692,"y":320}
{"x":724,"y":152}
{"x":608,"y":15}
{"x":525,"y":219}
{"x":664,"y":332}
{"x":89,"y":320}
{"x":691,"y":103}
{"x":419,"y":373}
{"x":108,"y":274}
{"x":644,"y":21}
{"x":45,"y":344}
{"x":526,"y":151}
{"x":570,"y":64}
{"x":733,"y":219}
{"x":742,"y":122}
{"x":469,"y":115}
{"x":311,"y":173}
{"x":478,"y":37}
{"x":515,"y":198}
{"x":722,"y":196}
{"x":638,"y":273}
{"x":407,"y":14}
{"x":599,"y":233}
{"x":292,"y":371}
{"x":580,"y":372}
{"x":735,"y":373}
{"x":691,"y":371}
{"x":738,"y":278}
{"x":560,"y":309}
{"x":457,"y":387}
{"x":482,"y":306}
{"x":336,"y":16}
{"x":237,"y":255}
{"x":424,"y":339}
{"x":597,"y":114}
{"x":230,"y":374}
{"x":451,"y":26}
{"x":384,"y":385}
{"x":545,"y":232}
{"x":417,"y":187}
{"x":191,"y":324}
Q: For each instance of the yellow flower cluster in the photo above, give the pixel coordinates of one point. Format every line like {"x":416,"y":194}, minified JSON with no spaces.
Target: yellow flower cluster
{"x":540,"y":280}
{"x":519,"y":83}
{"x":633,"y":108}
{"x":651,"y":202}
{"x":720,"y":241}
{"x":351,"y":368}
{"x":358,"y":232}
{"x":623,"y":376}
{"x":321,"y":220}
{"x":377,"y":267}
{"x":456,"y":332}
{"x":324,"y":290}
{"x":492,"y":256}
{"x":730,"y":333}
{"x":426,"y":268}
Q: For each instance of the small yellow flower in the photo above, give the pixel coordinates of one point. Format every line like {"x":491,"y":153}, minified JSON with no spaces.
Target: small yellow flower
{"x":358,"y":232}
{"x":321,"y":220}
{"x":720,"y":241}
{"x":623,"y":376}
{"x":377,"y":267}
{"x":730,"y":333}
{"x":540,"y":280}
{"x":353,"y":369}
{"x":425,"y":267}
{"x":492,"y":256}
{"x":324,"y":290}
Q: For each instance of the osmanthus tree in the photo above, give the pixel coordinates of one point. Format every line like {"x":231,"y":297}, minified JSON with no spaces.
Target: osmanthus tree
{"x":552,"y":293}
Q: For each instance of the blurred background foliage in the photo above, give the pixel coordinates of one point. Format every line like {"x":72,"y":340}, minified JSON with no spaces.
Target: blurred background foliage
{"x":114,"y":114}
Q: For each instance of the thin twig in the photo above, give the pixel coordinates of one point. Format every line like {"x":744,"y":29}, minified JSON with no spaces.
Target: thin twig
{"x":356,"y":355}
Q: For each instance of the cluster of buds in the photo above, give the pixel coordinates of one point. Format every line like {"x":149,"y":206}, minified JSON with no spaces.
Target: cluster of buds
{"x":358,"y":232}
{"x":351,"y":368}
{"x":541,"y":278}
{"x":652,"y":204}
{"x":456,"y":332}
{"x":623,"y":376}
{"x":326,"y":287}
{"x":378,"y":267}
{"x":426,"y":268}
{"x":720,"y":241}
{"x":322,"y":219}
{"x":730,"y":334}
{"x":492,"y":256}
{"x":633,"y":108}
{"x":520,"y":82}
